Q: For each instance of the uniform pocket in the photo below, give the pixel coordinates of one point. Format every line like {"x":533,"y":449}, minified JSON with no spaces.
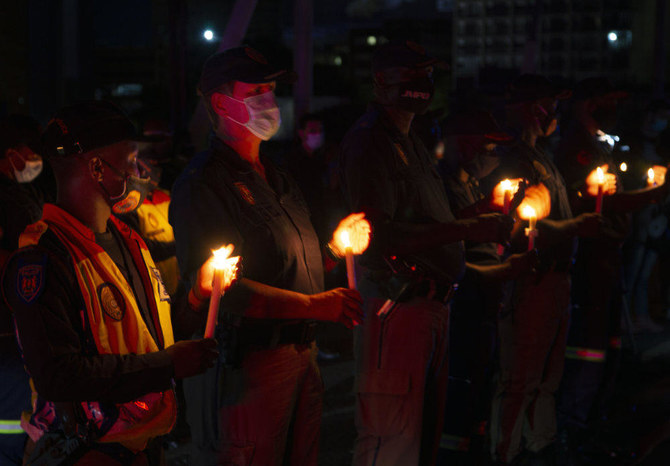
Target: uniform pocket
{"x":382,"y":402}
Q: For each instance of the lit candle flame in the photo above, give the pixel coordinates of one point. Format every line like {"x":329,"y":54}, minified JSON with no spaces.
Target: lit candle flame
{"x":506,"y":185}
{"x":600,"y":175}
{"x":623,"y":167}
{"x":344,"y":237}
{"x":528,"y":212}
{"x":650,"y":176}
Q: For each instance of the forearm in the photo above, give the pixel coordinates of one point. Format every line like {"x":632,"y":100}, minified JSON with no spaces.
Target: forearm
{"x":259,"y":301}
{"x":407,"y":238}
{"x":555,"y":231}
{"x":483,"y":206}
{"x":630,"y":201}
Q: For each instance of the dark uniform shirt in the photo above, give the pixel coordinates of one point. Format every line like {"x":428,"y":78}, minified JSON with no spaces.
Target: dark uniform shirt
{"x":59,"y":350}
{"x":221,"y":199}
{"x":532,"y":164}
{"x":463,"y":191}
{"x":391,"y":178}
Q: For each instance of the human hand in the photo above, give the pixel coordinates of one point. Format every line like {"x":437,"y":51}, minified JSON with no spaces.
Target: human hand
{"x":518,"y":264}
{"x":487,"y":228}
{"x":338,"y":305}
{"x":515,"y":186}
{"x":589,"y":224}
{"x":358,"y":229}
{"x":192,"y":357}
{"x":608,"y":181}
{"x":203,"y":285}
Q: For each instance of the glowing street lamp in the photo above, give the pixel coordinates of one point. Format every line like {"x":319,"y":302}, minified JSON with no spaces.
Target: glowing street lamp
{"x":208,"y":34}
{"x":612,"y":36}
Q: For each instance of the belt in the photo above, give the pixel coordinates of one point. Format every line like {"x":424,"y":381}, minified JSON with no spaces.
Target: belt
{"x":436,"y":291}
{"x":272,"y":335}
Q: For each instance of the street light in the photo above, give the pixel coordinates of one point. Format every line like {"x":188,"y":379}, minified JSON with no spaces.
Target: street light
{"x":208,"y":35}
{"x":612,"y":36}
{"x":372,"y":41}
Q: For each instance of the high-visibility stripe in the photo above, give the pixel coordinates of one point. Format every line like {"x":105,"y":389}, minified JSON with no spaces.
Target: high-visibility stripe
{"x":454,"y":442}
{"x":585,"y":354}
{"x":615,"y":342}
{"x":8,"y":426}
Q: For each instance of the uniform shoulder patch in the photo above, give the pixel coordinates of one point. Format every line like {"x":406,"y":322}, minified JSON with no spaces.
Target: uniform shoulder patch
{"x":30,"y":279}
{"x":245,"y":192}
{"x":112,"y":301}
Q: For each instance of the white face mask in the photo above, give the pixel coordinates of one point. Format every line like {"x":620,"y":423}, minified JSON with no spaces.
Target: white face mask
{"x":264,"y":116}
{"x":314,"y":140}
{"x":30,"y":171}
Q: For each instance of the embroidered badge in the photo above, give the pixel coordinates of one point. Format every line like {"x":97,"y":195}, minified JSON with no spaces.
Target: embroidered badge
{"x":111,"y":301}
{"x":401,"y":153}
{"x":30,"y":281}
{"x":244,"y":191}
{"x":162,"y":291}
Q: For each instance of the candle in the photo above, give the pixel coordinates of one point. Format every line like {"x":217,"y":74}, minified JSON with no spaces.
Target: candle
{"x":349,"y":258}
{"x":531,"y":231}
{"x":650,"y":178}
{"x":507,"y":200}
{"x":601,"y":184}
{"x":623,"y":167}
{"x":225,"y":270}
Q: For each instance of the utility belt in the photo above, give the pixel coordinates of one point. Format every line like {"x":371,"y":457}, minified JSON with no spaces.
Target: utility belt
{"x":271,"y":335}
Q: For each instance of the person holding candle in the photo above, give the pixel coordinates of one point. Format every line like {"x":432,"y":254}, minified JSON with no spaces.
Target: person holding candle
{"x":533,"y":324}
{"x":472,"y":135}
{"x":414,"y":259}
{"x":91,"y":312}
{"x":262,"y":404}
{"x":598,"y":291}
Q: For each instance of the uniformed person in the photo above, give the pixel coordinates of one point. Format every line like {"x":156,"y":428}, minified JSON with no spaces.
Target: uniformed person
{"x":414,"y":259}
{"x":92,"y":315}
{"x":470,"y":155}
{"x":595,"y":334}
{"x":233,"y":194}
{"x":534,"y":322}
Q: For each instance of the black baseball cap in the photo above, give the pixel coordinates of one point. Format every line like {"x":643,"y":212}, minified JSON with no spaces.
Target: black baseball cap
{"x":597,"y":86}
{"x":405,"y":54}
{"x":243,"y":64}
{"x":477,"y":123}
{"x":85,"y":126}
{"x":532,"y":87}
{"x":17,"y":130}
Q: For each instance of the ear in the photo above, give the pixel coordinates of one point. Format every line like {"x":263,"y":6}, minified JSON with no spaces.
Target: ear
{"x":96,"y":168}
{"x":219,"y":104}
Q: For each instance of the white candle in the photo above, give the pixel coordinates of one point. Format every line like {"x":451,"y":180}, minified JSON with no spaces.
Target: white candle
{"x":650,"y":178}
{"x":225,"y":269}
{"x":601,"y":184}
{"x":530,"y":214}
{"x":507,"y":201}
{"x":349,"y":258}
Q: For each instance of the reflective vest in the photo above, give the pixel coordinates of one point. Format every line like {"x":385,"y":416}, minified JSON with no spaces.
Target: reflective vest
{"x":154,"y":225}
{"x":115,"y":323}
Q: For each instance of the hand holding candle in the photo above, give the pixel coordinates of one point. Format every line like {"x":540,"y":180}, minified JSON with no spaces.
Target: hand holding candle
{"x":352,"y":236}
{"x":224,"y":273}
{"x":656,"y":176}
{"x":600,"y":183}
{"x":502,"y":197}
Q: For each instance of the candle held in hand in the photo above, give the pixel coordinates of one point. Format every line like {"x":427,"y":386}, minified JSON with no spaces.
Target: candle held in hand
{"x":651,"y":182}
{"x":507,"y":201}
{"x":601,"y":184}
{"x":225,"y":271}
{"x":531,"y":231}
{"x":349,"y":258}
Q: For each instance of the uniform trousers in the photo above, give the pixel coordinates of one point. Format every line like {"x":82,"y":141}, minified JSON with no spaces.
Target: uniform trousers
{"x":269,"y":410}
{"x":533,"y":335}
{"x":401,"y":383}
